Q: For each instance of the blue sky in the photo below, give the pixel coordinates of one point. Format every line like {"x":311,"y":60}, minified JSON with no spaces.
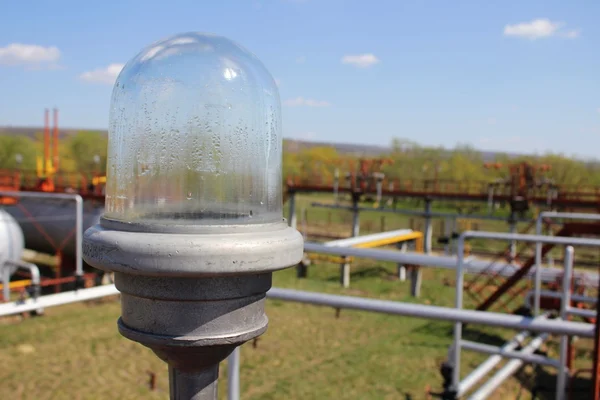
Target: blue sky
{"x":499,"y":75}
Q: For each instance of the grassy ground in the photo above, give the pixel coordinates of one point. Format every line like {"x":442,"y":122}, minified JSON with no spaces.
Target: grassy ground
{"x":75,"y":351}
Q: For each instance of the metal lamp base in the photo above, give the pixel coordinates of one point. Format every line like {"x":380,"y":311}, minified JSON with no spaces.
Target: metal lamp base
{"x":192,"y":297}
{"x":192,"y":324}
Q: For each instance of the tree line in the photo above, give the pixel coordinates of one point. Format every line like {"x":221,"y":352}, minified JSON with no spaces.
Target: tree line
{"x":85,"y":152}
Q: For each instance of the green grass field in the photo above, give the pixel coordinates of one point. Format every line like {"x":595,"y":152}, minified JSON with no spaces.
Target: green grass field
{"x":75,"y":351}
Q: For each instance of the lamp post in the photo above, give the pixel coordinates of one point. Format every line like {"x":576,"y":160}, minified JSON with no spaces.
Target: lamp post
{"x":193,"y":227}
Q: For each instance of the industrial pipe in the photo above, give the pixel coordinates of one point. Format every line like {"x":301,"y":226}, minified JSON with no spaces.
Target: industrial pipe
{"x":503,"y":353}
{"x":507,"y":371}
{"x":508,"y":321}
{"x":455,"y":362}
{"x":58,"y":299}
{"x":472,"y":264}
{"x":484,"y":368}
{"x":538,"y":246}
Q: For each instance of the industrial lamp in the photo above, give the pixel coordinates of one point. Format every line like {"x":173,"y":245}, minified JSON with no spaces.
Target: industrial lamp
{"x":193,"y":226}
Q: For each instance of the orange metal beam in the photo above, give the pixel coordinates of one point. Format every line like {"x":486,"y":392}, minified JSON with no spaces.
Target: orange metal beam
{"x":55,"y":158}
{"x":46,"y":138}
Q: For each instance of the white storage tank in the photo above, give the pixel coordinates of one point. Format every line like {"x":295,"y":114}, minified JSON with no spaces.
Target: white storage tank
{"x":11,"y":239}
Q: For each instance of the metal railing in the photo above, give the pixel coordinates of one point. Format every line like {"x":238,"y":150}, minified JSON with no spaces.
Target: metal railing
{"x":458,"y":315}
{"x":538,"y":246}
{"x":568,"y":271}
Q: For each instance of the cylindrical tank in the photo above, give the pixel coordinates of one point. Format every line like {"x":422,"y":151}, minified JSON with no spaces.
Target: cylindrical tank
{"x":49,"y":224}
{"x":11,"y":239}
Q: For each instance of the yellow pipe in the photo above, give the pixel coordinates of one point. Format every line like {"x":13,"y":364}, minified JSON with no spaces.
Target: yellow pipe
{"x":416,"y":236}
{"x":395,"y":239}
{"x":17,"y":284}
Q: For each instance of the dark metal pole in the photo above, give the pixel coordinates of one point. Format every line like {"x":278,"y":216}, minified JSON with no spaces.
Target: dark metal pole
{"x":199,"y":385}
{"x":596,"y":359}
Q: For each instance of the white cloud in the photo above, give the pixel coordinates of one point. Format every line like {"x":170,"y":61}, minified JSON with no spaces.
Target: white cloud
{"x":360,"y":60}
{"x":301,"y":101}
{"x":301,"y":59}
{"x":572,"y":34}
{"x":30,"y":55}
{"x":106,"y":75}
{"x":540,"y":28}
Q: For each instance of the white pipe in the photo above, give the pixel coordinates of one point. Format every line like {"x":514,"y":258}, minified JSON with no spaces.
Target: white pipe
{"x":35,"y":278}
{"x":503,"y":353}
{"x":508,"y":321}
{"x":233,"y":375}
{"x":460,"y":277}
{"x":353,"y":241}
{"x":472,"y":264}
{"x":58,"y":299}
{"x":458,"y":304}
{"x":484,"y":368}
{"x":507,"y":371}
{"x":561,"y":379}
{"x":582,"y":312}
{"x":33,"y":270}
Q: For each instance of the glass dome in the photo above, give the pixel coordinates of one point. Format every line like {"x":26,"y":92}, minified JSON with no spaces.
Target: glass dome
{"x":194,"y":136}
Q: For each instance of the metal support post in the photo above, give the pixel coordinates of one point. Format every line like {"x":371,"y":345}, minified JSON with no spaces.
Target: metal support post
{"x":345,"y":274}
{"x":490,"y":199}
{"x":448,"y":228}
{"x":416,"y":278}
{"x":428,"y":227}
{"x":401,"y":267}
{"x":355,"y":217}
{"x":416,"y":275}
{"x":5,"y":283}
{"x":561,"y":379}
{"x":512,"y":228}
{"x":537,"y":286}
{"x":292,"y":210}
{"x":336,"y":184}
{"x":345,"y":266}
{"x":233,"y":375}
{"x":458,"y":303}
{"x":193,"y":385}
{"x":595,"y":395}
